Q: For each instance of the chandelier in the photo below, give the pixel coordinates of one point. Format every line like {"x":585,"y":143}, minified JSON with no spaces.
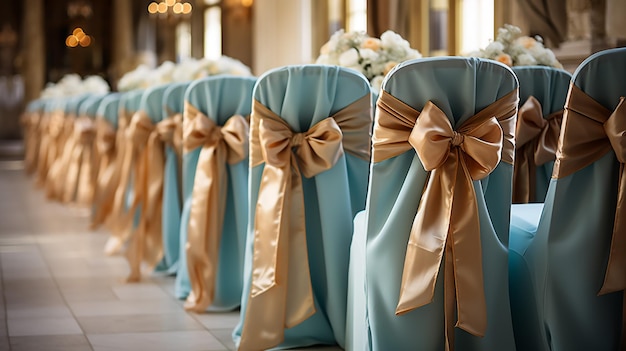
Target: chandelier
{"x":170,"y":9}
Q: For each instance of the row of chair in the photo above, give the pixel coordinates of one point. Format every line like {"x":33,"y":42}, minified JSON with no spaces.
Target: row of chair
{"x":283,"y":196}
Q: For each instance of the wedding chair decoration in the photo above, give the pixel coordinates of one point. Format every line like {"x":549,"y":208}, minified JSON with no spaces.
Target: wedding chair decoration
{"x":542,"y":97}
{"x":309,"y":161}
{"x":31,"y":122}
{"x":172,"y":136}
{"x":80,"y":170}
{"x":571,"y":254}
{"x":440,"y":181}
{"x":49,"y":129}
{"x":122,"y":218}
{"x":215,"y":192}
{"x":108,"y":146}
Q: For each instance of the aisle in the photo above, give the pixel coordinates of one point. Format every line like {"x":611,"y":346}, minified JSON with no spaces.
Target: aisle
{"x":60,"y":292}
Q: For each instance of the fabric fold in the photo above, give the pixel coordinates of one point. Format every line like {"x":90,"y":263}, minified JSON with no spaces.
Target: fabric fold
{"x":535,"y":144}
{"x":281,"y":294}
{"x":107,"y":175}
{"x":447,"y":216}
{"x":220,"y":145}
{"x":590,"y":131}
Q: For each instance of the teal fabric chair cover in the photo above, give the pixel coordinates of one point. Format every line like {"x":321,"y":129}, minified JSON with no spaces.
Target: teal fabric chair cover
{"x":303,"y":96}
{"x":130,"y":103}
{"x":219,"y":98}
{"x":561,"y":268}
{"x":173,"y":98}
{"x":89,"y":107}
{"x":460,"y":87}
{"x":549,"y":86}
{"x":109,"y":108}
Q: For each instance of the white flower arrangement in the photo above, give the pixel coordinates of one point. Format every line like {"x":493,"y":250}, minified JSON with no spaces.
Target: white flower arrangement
{"x":143,"y":77}
{"x":373,"y":57}
{"x":514,"y":49}
{"x":72,"y":84}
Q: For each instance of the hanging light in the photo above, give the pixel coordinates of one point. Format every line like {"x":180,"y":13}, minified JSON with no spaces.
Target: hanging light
{"x":172,"y":10}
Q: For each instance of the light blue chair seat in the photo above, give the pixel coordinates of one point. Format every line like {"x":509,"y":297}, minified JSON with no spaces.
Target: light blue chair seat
{"x":460,"y":87}
{"x":561,"y":268}
{"x":218,"y":98}
{"x":302,"y":98}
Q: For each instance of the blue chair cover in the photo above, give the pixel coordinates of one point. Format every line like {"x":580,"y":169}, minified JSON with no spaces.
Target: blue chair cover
{"x":460,"y":87}
{"x":303,"y":96}
{"x":560,"y":269}
{"x":109,"y":108}
{"x":549,"y":86}
{"x":173,"y":103}
{"x":130,"y":103}
{"x":219,"y":98}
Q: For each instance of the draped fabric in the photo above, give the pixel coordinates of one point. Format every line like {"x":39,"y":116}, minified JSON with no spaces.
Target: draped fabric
{"x":219,"y":145}
{"x":536,"y":143}
{"x":58,"y":152}
{"x":590,"y":132}
{"x":107,"y":177}
{"x":145,"y":159}
{"x":546,"y":18}
{"x":447,"y":217}
{"x":79,"y":180}
{"x":279,"y":228}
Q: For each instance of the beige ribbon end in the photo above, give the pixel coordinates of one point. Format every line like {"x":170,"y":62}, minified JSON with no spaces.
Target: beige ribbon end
{"x":478,"y":330}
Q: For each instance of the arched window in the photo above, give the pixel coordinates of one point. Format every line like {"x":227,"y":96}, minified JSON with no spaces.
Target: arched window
{"x":212,"y":29}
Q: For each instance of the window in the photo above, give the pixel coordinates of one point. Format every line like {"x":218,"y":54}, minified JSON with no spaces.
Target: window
{"x":213,"y":29}
{"x":477,"y":24}
{"x":357,"y":15}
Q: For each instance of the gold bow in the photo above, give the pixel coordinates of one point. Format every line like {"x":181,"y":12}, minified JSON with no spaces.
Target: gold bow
{"x":58,"y":153}
{"x":42,"y":152}
{"x":30,"y":121}
{"x":590,"y":131}
{"x":107,"y":177}
{"x":447,"y":217}
{"x":536,"y":144}
{"x":144,"y":159}
{"x":281,"y":294}
{"x":79,"y":177}
{"x":220,"y":145}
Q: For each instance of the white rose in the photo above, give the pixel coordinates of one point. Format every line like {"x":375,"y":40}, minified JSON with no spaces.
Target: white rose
{"x":525,"y":60}
{"x":377,"y":83}
{"x":369,"y":54}
{"x":494,"y":47}
{"x":349,"y":58}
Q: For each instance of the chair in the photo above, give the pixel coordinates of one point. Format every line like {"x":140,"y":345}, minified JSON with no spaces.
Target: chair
{"x":146,"y":134}
{"x":562,"y":250}
{"x":31,"y":121}
{"x":310,"y":143}
{"x":173,"y":98}
{"x":419,"y":191}
{"x":121,"y":219}
{"x":542,"y":96}
{"x":106,"y":177}
{"x":215,"y":192}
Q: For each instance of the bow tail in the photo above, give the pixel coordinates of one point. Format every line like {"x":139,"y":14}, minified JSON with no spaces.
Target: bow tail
{"x":300,"y":303}
{"x":153,"y":201}
{"x":524,"y":175}
{"x":265,"y":317}
{"x":449,"y":292}
{"x":615,"y":277}
{"x":205,"y":227}
{"x":467,"y":257}
{"x":427,"y":241}
{"x":85,"y":189}
{"x":107,"y":179}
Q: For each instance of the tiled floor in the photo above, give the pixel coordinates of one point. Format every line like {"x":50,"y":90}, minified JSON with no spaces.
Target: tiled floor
{"x":60,"y":292}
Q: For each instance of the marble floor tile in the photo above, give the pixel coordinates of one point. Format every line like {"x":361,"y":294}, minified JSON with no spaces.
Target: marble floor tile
{"x":112,"y":308}
{"x":218,"y":320}
{"x":50,"y":343}
{"x":138,"y":323}
{"x":158,"y":341}
{"x":43,"y":326}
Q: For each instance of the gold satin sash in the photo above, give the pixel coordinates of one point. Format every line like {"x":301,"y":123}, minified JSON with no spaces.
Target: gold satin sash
{"x":447,"y":216}
{"x":58,"y":153}
{"x":590,"y":131}
{"x":146,"y":158}
{"x":106,"y":177}
{"x":79,"y":177}
{"x":281,"y":294}
{"x":42,"y":152}
{"x":30,"y":123}
{"x":536,"y":141}
{"x":220,"y":145}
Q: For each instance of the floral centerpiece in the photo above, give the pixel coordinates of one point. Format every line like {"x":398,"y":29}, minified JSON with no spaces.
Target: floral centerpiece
{"x":514,"y":49}
{"x":143,"y":77}
{"x":373,"y":57}
{"x":72,"y":84}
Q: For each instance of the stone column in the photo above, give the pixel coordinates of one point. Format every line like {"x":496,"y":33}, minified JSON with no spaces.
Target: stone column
{"x":122,"y":31}
{"x":598,"y":26}
{"x":197,"y":30}
{"x":33,"y":66}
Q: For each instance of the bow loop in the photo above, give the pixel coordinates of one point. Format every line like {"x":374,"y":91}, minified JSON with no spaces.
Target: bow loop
{"x":530,"y":122}
{"x":615,"y":128}
{"x":105,"y":136}
{"x":235,"y":134}
{"x":84,"y":130}
{"x":167,"y":130}
{"x":482,"y":148}
{"x":140,"y":128}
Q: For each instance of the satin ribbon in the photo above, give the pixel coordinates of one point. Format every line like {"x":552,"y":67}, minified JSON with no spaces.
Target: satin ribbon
{"x":106,"y":175}
{"x":447,"y":216}
{"x":590,"y":131}
{"x":536,"y":140}
{"x":30,"y":125}
{"x":145,"y":159}
{"x":79,"y":174}
{"x":57,"y":154}
{"x":42,"y":152}
{"x":281,"y":294}
{"x":220,"y":145}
